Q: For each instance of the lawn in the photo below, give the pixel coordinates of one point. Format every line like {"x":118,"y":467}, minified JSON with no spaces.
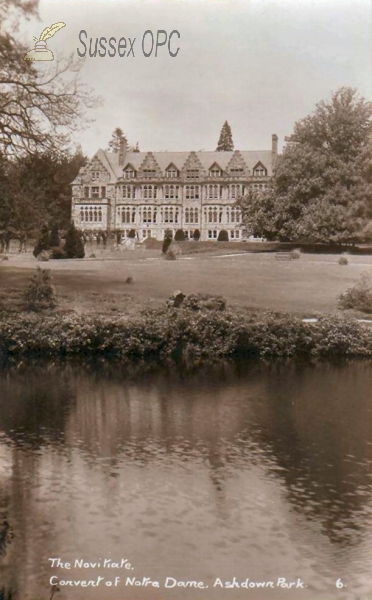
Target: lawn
{"x":307,"y":286}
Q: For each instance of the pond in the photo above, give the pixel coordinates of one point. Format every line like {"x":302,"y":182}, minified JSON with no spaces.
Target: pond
{"x":254,"y":475}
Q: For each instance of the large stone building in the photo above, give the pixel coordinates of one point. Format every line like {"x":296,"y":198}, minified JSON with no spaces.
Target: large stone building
{"x":151,"y":192}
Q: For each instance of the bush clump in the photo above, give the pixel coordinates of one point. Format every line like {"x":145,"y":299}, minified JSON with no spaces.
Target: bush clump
{"x":180,"y":235}
{"x":196,"y":235}
{"x":223,"y":236}
{"x":183,"y":335}
{"x":74,"y":246}
{"x":57,"y":253}
{"x":199,"y":302}
{"x":132,"y":234}
{"x":343,"y":260}
{"x":295,"y":254}
{"x":40,"y":293}
{"x":44,"y":256}
{"x":358,"y":297}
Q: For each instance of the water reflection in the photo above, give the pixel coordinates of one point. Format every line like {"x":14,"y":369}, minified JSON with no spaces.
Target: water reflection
{"x":254,"y":471}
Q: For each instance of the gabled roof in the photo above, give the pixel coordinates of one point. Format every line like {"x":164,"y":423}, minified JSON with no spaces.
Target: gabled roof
{"x":102,"y":157}
{"x":178,"y":159}
{"x":259,"y":164}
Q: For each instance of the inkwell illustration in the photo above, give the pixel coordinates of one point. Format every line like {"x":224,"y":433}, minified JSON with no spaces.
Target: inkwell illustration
{"x":41,"y":52}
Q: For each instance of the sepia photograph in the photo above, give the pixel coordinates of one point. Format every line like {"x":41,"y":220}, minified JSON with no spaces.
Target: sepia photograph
{"x":185,"y":300}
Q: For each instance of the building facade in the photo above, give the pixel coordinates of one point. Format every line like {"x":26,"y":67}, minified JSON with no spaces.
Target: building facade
{"x":152,"y":192}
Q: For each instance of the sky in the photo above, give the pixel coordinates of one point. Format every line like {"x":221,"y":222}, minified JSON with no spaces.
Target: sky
{"x":259,"y":64}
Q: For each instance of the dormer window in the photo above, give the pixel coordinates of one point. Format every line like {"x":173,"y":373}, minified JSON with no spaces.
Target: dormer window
{"x":171,"y":173}
{"x":215,"y":171}
{"x":259,"y":171}
{"x":129,"y":173}
{"x":95,"y":175}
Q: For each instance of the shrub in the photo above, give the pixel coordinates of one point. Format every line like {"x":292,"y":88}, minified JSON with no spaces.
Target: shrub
{"x":196,"y":235}
{"x":44,"y":256}
{"x":57,"y":253}
{"x":181,"y":334}
{"x":179,"y":235}
{"x":204,"y":302}
{"x":132,"y":234}
{"x":40,"y":293}
{"x":54,"y":240}
{"x":167,"y":241}
{"x":42,"y":242}
{"x":343,"y":260}
{"x":358,"y":297}
{"x":295,"y":254}
{"x":170,"y":255}
{"x":223,"y":236}
{"x":74,"y":246}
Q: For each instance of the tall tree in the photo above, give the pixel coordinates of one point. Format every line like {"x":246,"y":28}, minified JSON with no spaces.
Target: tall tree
{"x":36,"y":189}
{"x":116,"y":136}
{"x":39,"y":108}
{"x":320,"y":189}
{"x":225,"y":143}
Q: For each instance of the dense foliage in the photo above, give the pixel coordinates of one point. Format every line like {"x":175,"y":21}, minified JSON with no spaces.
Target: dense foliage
{"x":183,"y":334}
{"x":321,"y":188}
{"x":37,"y":189}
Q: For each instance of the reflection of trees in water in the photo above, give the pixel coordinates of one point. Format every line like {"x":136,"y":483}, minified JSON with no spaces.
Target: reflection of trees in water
{"x":6,"y":536}
{"x":314,"y":425}
{"x":219,"y":415}
{"x":36,"y":402}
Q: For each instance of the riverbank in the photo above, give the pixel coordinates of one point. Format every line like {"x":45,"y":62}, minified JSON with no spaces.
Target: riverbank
{"x":183,"y":335}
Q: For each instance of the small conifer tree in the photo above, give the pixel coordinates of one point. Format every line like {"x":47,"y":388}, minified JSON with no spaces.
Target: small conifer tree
{"x":74,"y":246}
{"x":225,"y":143}
{"x":54,"y":240}
{"x":167,"y":241}
{"x":42,"y":242}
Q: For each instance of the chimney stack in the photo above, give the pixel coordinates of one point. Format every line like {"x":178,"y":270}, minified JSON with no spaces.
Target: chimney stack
{"x":274,"y":149}
{"x":123,"y":147}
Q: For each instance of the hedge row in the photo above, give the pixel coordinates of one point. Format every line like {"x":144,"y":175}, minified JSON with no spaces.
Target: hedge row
{"x":183,"y":334}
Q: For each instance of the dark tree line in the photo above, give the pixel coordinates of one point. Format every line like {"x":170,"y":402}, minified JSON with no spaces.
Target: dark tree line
{"x":36,"y":189}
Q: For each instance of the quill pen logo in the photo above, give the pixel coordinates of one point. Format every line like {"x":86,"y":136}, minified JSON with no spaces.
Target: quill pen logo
{"x":41,"y":52}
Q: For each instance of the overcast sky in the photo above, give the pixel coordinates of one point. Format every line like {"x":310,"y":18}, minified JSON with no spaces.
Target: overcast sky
{"x":260,"y":64}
